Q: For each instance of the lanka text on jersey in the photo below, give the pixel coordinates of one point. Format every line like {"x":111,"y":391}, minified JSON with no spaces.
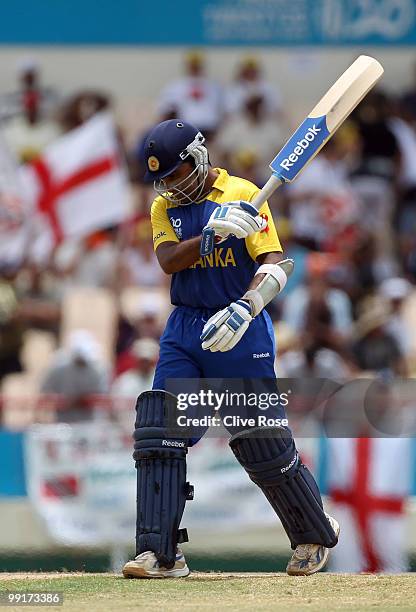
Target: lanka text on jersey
{"x":222,"y":277}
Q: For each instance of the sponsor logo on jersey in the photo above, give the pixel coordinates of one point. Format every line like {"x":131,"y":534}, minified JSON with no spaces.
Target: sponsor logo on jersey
{"x":176,"y":224}
{"x":159,"y":235}
{"x":260,"y":355}
{"x":153,"y":163}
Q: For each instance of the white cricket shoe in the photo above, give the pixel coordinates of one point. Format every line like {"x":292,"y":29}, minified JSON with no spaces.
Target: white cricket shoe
{"x":146,"y":565}
{"x":310,"y":558}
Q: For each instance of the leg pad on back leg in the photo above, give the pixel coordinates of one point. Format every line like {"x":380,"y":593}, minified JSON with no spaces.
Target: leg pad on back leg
{"x":269,"y":456}
{"x":162,"y":489}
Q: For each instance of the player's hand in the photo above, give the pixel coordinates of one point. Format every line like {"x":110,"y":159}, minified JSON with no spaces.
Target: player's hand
{"x":238,"y":218}
{"x":225,"y":328}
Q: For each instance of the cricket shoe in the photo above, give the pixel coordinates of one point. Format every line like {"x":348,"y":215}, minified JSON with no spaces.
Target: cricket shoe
{"x":146,"y":565}
{"x":310,"y":558}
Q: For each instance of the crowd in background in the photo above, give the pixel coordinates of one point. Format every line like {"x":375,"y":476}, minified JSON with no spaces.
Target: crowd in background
{"x":349,"y":222}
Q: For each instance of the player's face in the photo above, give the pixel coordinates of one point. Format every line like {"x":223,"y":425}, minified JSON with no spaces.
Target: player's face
{"x":181,"y":186}
{"x":179,"y":175}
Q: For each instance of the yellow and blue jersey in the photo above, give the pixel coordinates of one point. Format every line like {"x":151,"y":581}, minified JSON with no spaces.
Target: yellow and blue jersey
{"x":215,"y":280}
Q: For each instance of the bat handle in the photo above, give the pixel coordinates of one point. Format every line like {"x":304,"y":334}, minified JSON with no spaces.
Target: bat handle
{"x":206,"y":335}
{"x":207,"y":241}
{"x":269,"y":188}
{"x":208,"y":234}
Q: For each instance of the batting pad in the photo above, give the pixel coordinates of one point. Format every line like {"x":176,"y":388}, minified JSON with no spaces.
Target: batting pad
{"x":270,"y":458}
{"x":162,"y":489}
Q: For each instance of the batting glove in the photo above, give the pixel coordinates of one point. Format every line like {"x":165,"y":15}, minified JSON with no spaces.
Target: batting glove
{"x":239,"y":219}
{"x":225,"y":328}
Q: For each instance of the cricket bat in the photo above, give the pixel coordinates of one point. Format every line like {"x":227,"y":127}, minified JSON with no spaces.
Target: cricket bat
{"x":312,"y":134}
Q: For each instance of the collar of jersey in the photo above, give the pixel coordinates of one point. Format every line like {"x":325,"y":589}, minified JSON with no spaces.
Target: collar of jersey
{"x":220,"y":182}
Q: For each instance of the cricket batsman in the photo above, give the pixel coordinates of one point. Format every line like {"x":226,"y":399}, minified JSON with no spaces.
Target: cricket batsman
{"x":219,"y":328}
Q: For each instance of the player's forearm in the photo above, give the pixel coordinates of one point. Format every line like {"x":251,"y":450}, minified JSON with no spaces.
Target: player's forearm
{"x":176,"y":256}
{"x":270,"y":279}
{"x":265,"y":258}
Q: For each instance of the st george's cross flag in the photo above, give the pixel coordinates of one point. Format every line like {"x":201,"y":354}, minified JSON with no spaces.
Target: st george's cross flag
{"x":79,"y":185}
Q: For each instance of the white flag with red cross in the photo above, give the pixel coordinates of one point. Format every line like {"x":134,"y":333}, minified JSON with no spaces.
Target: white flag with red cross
{"x":78,"y":185}
{"x":369,"y":483}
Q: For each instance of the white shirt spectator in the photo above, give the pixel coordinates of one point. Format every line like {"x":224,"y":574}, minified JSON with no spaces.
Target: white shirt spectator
{"x":195,"y":99}
{"x":131,"y":383}
{"x":75,"y":376}
{"x":141,"y":270}
{"x":406,"y":138}
{"x":396,"y":290}
{"x":260,"y":138}
{"x":240,"y":91}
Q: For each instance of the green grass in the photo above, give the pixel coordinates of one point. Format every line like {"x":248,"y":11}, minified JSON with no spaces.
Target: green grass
{"x":323,"y":592}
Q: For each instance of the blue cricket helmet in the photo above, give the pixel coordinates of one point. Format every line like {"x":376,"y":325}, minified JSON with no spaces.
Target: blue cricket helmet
{"x":165,"y":148}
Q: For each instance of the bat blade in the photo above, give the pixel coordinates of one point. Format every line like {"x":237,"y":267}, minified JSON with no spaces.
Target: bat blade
{"x":322,"y":122}
{"x":335,"y":106}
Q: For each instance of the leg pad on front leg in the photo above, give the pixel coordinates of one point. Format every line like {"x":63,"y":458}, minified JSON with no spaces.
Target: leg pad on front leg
{"x":162,"y":489}
{"x":270,"y":458}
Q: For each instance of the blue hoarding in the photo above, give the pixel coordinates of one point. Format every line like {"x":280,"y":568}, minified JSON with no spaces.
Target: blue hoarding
{"x":209,"y":22}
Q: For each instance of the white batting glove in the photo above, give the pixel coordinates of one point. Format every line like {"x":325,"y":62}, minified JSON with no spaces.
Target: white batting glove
{"x":238,"y":218}
{"x":225,"y":328}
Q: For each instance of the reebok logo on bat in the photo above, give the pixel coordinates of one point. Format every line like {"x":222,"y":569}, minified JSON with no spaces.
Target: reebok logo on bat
{"x":300,"y":147}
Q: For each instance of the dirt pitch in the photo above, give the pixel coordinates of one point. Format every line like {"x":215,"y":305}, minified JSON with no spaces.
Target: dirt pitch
{"x":213,"y":591}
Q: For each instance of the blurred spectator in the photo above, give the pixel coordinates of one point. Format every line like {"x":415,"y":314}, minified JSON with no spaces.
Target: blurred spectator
{"x":295,"y":360}
{"x":401,"y":123}
{"x":81,"y":107}
{"x":403,"y":127}
{"x":138,"y":263}
{"x":75,"y":377}
{"x":374,"y":348}
{"x":30,"y":131}
{"x":39,"y":299}
{"x":376,"y":170}
{"x":315,"y":362}
{"x":250,"y":131}
{"x":249,"y":83}
{"x":395,"y":291}
{"x":11,"y":330}
{"x":317,"y":307}
{"x":145,"y":323}
{"x":29,"y":81}
{"x":409,"y":96}
{"x":379,"y":149}
{"x":361,"y":271}
{"x":89,"y":263}
{"x":139,"y":377}
{"x":321,"y":202}
{"x":195,"y":97}
{"x":148,"y":318}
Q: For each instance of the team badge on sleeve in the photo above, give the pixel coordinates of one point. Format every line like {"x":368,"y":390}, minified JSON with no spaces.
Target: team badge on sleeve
{"x":266,"y":218}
